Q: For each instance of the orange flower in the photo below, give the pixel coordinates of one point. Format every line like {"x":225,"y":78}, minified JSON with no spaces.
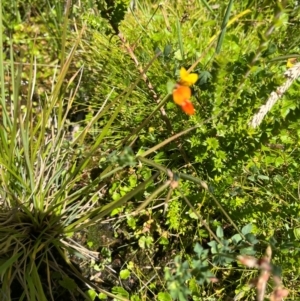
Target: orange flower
{"x":181,"y":94}
{"x":188,"y":108}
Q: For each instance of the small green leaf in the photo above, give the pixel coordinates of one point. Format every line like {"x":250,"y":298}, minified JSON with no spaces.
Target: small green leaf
{"x":252,"y":178}
{"x":124,"y":274}
{"x":135,"y":298}
{"x":167,"y":50}
{"x":193,"y":215}
{"x":251,"y":238}
{"x":92,"y":294}
{"x":170,"y":86}
{"x":116,"y":211}
{"x":116,"y":196}
{"x":145,"y":242}
{"x":247,"y":229}
{"x":133,"y":181}
{"x":262,"y":177}
{"x":178,"y":55}
{"x":247,"y":251}
{"x":272,"y":48}
{"x":279,"y":161}
{"x":198,"y":249}
{"x":68,"y":283}
{"x":297,"y":233}
{"x":204,"y":77}
{"x":212,"y":143}
{"x":288,"y":105}
{"x":163,"y":241}
{"x":162,"y":296}
{"x":236,"y":238}
{"x":102,"y":296}
{"x":214,"y":246}
{"x":220,"y":232}
{"x":120,"y":291}
{"x":131,"y":222}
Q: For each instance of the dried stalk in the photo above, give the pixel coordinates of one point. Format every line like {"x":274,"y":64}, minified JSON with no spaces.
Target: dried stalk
{"x":291,"y":75}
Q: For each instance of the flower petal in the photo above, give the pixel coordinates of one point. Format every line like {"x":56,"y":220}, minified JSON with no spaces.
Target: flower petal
{"x":187,"y":79}
{"x":181,"y":94}
{"x":183,"y":73}
{"x":291,"y":62}
{"x":188,"y":108}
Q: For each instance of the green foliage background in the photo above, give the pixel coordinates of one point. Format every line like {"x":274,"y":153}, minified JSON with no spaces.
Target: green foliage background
{"x":253,"y":175}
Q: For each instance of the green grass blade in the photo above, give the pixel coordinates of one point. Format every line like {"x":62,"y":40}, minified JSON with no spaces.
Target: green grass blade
{"x":223,"y":27}
{"x":206,"y":5}
{"x":136,"y":131}
{"x":284,"y":57}
{"x":101,"y":212}
{"x":37,"y":284}
{"x":128,"y":92}
{"x":178,"y":27}
{"x":16,"y":82}
{"x":106,"y":128}
{"x":2,"y":79}
{"x":5,"y":287}
{"x":165,"y":142}
{"x":64,"y":30}
{"x":28,"y":162}
{"x":154,"y":194}
{"x":8,"y":263}
{"x":4,"y":149}
{"x":31,"y":287}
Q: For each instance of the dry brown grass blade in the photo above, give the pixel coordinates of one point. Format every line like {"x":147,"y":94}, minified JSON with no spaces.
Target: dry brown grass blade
{"x":264,"y":275}
{"x":291,"y":75}
{"x":264,"y":264}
